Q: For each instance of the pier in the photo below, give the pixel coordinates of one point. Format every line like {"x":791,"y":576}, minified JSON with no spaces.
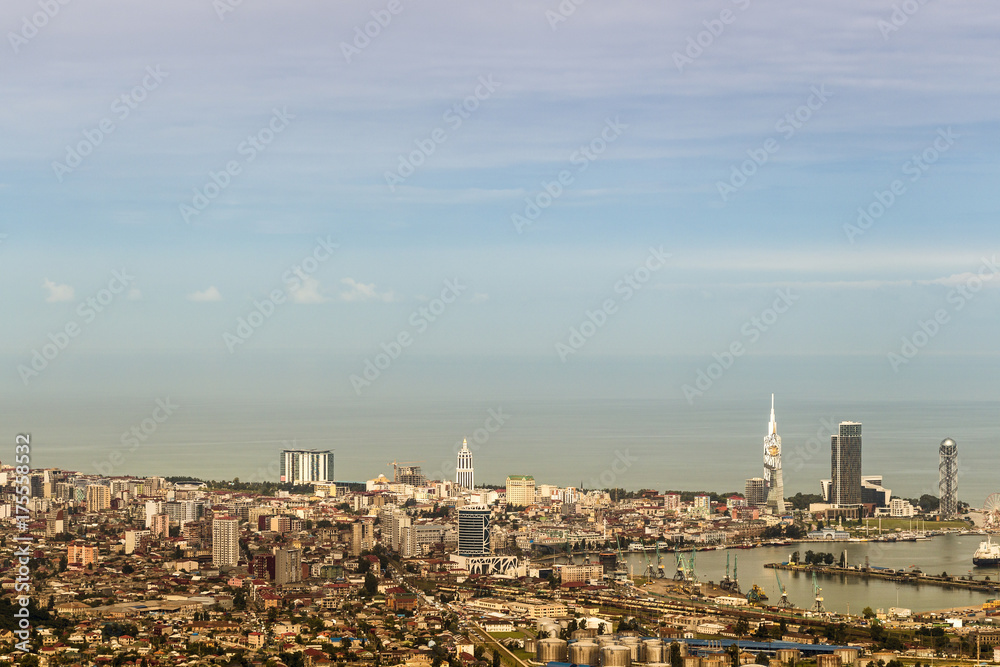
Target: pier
{"x":898,"y":576}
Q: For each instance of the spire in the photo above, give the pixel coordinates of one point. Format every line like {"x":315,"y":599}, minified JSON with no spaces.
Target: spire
{"x":772,"y":427}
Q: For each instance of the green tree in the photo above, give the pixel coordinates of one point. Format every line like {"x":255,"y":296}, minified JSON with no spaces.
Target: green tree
{"x":868,"y":613}
{"x":676,"y":660}
{"x":496,"y":658}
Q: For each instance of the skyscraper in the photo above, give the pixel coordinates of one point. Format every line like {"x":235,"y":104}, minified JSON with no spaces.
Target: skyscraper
{"x":948,"y":479}
{"x":225,"y":541}
{"x":755,"y":492}
{"x":474,"y":530}
{"x":773,"y":480}
{"x":287,"y":565}
{"x":845,"y":465}
{"x":98,"y":498}
{"x":463,"y":471}
{"x":303,"y":466}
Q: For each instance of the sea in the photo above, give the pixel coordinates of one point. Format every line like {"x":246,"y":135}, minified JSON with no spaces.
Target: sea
{"x":628,"y":444}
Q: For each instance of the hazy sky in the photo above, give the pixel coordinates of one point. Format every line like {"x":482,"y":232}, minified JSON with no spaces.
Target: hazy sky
{"x":420,"y":153}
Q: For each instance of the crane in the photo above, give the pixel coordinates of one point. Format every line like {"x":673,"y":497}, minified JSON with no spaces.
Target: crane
{"x":660,"y":574}
{"x":817,"y":591}
{"x":783,"y":603}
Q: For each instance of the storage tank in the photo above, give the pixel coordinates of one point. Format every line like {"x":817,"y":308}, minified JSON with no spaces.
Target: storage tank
{"x":584,"y":652}
{"x":828,"y":660}
{"x":787,"y":655}
{"x":616,"y":655}
{"x":634,"y":645}
{"x":714,"y":661}
{"x":847,"y":655}
{"x":551,"y":650}
{"x":551,"y":628}
{"x":606,"y":640}
{"x":691,"y":660}
{"x":530,"y":645}
{"x":585,"y":633}
{"x":652,"y":650}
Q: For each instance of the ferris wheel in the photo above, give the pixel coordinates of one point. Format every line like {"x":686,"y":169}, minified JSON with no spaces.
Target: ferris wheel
{"x":991,"y":511}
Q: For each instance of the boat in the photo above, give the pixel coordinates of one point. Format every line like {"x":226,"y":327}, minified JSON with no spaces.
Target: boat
{"x":987,"y":555}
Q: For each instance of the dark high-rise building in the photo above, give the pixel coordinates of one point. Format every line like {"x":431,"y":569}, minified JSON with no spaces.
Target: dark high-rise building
{"x":948,"y":479}
{"x":756,"y":491}
{"x":845,"y":465}
{"x":474,"y":530}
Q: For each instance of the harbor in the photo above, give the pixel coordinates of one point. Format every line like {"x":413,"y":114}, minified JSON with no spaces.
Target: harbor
{"x":950,"y":554}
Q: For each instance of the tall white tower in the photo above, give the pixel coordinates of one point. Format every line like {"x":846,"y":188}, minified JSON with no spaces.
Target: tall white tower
{"x":773,"y":480}
{"x":464,"y":477}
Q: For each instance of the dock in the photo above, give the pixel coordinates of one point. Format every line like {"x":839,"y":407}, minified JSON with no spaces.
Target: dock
{"x":902,"y":577}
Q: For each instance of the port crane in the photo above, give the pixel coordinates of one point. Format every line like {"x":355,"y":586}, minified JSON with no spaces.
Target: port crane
{"x":733,"y":584}
{"x":783,"y":602}
{"x":818,"y":592}
{"x":660,"y":573}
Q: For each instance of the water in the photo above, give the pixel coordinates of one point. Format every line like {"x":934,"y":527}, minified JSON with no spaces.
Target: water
{"x":669,"y":444}
{"x":948,"y":553}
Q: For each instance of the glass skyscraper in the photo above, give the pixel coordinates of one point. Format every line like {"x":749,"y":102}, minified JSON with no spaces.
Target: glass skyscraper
{"x":845,"y":465}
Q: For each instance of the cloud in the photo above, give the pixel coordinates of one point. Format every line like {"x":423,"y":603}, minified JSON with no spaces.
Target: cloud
{"x":364,"y":292}
{"x":57,"y":293}
{"x":210,"y":294}
{"x":309,"y":291}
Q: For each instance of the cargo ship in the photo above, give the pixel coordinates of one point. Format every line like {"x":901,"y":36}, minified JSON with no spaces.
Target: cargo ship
{"x":987,"y":555}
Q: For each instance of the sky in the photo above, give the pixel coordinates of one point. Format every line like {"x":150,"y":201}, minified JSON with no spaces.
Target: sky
{"x":677,"y":202}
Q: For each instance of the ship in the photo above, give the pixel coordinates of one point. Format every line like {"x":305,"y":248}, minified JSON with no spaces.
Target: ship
{"x":987,"y":555}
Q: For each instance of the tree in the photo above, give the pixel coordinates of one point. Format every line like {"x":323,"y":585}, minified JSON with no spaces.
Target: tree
{"x":843,"y":559}
{"x":127,"y":569}
{"x":676,"y":660}
{"x":795,"y":558}
{"x":742,"y":627}
{"x":868,"y":613}
{"x":479,"y":652}
{"x":496,"y":658}
{"x":828,"y":558}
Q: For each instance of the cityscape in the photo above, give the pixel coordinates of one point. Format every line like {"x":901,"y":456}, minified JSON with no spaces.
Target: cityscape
{"x":542,"y":333}
{"x":410,"y":570}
